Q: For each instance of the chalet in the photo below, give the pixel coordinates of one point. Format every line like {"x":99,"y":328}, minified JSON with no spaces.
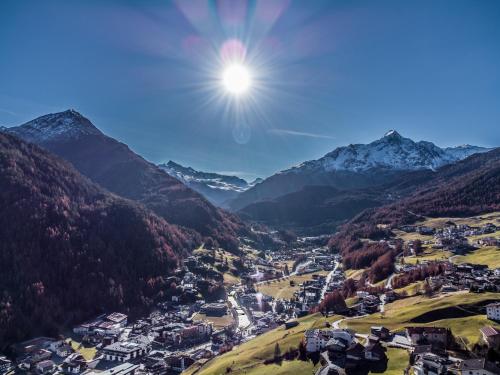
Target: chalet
{"x":74,"y":364}
{"x":491,"y":336}
{"x":478,"y":367}
{"x":317,"y":339}
{"x":432,"y":335}
{"x":60,"y":348}
{"x":493,"y":311}
{"x":45,"y":367}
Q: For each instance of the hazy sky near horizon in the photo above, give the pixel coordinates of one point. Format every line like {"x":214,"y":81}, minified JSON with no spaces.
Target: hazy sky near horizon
{"x":326,"y":74}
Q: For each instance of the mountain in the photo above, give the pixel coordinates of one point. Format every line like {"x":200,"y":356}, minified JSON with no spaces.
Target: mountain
{"x":70,"y":250}
{"x":469,"y":187}
{"x":217,"y":188}
{"x":115,"y":167}
{"x":358,"y":166}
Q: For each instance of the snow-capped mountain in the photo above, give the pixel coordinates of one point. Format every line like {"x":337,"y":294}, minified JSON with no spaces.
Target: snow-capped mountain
{"x":393,"y":152}
{"x":217,"y":188}
{"x":358,"y":166}
{"x":54,"y":127}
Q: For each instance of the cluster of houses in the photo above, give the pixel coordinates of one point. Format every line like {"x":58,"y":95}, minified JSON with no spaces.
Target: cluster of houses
{"x":165,"y":342}
{"x":454,"y":238}
{"x":344,"y":351}
{"x":473,"y":277}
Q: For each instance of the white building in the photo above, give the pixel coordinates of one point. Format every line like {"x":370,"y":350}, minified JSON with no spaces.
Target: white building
{"x":125,"y":351}
{"x":493,"y":311}
{"x":317,"y":339}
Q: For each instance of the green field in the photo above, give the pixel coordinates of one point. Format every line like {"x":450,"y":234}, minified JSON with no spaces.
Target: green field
{"x":411,"y":289}
{"x":248,"y":358}
{"x":398,"y":361}
{"x":489,"y":256}
{"x":429,"y":255}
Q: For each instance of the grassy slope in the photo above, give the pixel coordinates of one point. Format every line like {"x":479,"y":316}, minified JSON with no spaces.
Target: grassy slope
{"x":248,"y":358}
{"x":485,"y":255}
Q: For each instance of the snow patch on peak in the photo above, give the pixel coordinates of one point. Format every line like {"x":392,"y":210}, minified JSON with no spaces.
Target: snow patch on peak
{"x":392,"y":133}
{"x":56,"y":126}
{"x":216,"y":181}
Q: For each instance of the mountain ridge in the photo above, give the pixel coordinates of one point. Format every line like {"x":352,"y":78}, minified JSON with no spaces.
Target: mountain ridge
{"x":217,"y":188}
{"x":357,"y":166}
{"x":114,"y":166}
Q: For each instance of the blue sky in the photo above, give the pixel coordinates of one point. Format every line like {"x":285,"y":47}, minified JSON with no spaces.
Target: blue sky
{"x":326,"y":73}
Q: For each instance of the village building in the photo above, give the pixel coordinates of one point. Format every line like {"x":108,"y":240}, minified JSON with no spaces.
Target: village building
{"x":491,"y":336}
{"x":123,"y":369}
{"x":432,"y":335}
{"x":45,"y":367}
{"x":74,"y":364}
{"x":493,"y":311}
{"x":125,"y":351}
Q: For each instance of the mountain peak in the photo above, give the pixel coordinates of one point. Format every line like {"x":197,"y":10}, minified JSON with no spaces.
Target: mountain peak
{"x":68,"y":124}
{"x":392,"y":134}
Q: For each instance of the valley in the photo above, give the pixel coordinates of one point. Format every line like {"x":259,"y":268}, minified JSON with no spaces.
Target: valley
{"x":338,"y":277}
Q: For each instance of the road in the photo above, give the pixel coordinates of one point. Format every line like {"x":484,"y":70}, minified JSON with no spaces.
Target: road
{"x":327,"y":281}
{"x":243,"y":320}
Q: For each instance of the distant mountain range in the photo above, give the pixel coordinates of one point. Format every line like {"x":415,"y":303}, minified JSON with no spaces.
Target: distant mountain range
{"x":217,"y":188}
{"x":115,"y":167}
{"x":359,"y":175}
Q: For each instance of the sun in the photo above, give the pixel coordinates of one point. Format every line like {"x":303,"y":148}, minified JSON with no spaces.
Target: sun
{"x":236,"y":79}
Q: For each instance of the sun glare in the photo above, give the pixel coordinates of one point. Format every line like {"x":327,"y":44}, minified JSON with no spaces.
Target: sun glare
{"x":236,"y":79}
